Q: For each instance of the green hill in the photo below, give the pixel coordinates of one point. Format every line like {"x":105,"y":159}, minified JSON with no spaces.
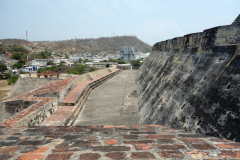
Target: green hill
{"x":103,"y":44}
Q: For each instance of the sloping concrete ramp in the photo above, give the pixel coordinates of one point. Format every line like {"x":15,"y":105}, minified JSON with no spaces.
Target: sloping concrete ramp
{"x":112,"y":103}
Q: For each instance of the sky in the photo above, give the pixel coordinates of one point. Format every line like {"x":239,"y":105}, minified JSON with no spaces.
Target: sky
{"x":150,"y":20}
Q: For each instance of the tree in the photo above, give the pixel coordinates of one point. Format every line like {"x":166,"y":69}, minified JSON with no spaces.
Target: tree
{"x":17,"y":65}
{"x":2,"y":49}
{"x":119,"y":61}
{"x":16,"y":48}
{"x":3,"y":68}
{"x":50,"y":63}
{"x":16,"y":56}
{"x":40,"y":70}
{"x":67,"y":56}
{"x":80,"y":60}
{"x":62,"y":63}
{"x":45,"y":54}
{"x":136,"y":63}
{"x":22,"y":61}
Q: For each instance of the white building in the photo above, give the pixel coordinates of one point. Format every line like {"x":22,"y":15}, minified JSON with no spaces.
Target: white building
{"x":127,"y":53}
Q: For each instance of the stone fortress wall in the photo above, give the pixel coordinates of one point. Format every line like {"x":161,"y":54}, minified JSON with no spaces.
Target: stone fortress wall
{"x":193,"y":83}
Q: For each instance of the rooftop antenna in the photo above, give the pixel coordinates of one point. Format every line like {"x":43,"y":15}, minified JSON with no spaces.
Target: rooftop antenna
{"x":27,"y":47}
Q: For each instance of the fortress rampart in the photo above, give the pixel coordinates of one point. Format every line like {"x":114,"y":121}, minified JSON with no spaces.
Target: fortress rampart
{"x":193,"y":83}
{"x":33,"y":107}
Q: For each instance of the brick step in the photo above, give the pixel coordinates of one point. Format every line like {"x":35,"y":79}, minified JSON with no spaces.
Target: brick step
{"x":73,"y":97}
{"x":101,"y":80}
{"x":82,"y":100}
{"x":66,"y":115}
{"x":76,"y":112}
{"x":73,"y":102}
{"x":84,"y":96}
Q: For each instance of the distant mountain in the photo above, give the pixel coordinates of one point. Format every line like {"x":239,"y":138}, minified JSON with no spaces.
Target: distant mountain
{"x":104,"y":44}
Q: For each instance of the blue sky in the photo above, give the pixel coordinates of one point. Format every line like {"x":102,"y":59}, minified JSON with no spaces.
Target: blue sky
{"x":150,"y":20}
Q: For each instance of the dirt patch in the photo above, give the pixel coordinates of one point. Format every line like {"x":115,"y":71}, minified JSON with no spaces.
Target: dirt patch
{"x":133,"y":93}
{"x":4,"y":88}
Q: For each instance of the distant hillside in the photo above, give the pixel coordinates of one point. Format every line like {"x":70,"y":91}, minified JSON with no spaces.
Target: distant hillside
{"x":104,"y":44}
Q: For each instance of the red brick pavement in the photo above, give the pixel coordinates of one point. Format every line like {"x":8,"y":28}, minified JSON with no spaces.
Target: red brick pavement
{"x":74,"y":101}
{"x":111,"y":142}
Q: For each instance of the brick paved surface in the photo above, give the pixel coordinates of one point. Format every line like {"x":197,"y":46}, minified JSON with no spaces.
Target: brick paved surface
{"x":74,"y":95}
{"x":54,"y":87}
{"x":111,"y":142}
{"x":59,"y":117}
{"x":103,"y":141}
{"x":112,"y":103}
{"x":73,"y":102}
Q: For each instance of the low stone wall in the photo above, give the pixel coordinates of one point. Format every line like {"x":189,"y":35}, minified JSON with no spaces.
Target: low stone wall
{"x":27,"y":84}
{"x":33,"y":107}
{"x":9,"y":109}
{"x":192,"y":83}
{"x":39,"y":115}
{"x":100,"y":71}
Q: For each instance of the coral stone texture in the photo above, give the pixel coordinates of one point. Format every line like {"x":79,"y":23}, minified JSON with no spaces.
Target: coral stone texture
{"x":192,"y":83}
{"x":110,"y":142}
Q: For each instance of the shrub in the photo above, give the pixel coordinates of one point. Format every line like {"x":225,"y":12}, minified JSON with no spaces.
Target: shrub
{"x":50,"y":63}
{"x":17,"y":65}
{"x":92,"y":69}
{"x":45,"y":54}
{"x":136,"y":63}
{"x":80,"y":69}
{"x":40,"y":70}
{"x":13,"y":79}
{"x":72,"y":72}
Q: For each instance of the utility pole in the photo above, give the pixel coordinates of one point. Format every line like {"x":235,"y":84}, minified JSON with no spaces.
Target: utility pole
{"x":27,"y":47}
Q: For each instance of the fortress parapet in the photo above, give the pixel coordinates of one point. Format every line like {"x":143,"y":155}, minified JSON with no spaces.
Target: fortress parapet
{"x":192,"y":83}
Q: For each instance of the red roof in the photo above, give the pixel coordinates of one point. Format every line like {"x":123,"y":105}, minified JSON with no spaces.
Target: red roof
{"x":47,"y":73}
